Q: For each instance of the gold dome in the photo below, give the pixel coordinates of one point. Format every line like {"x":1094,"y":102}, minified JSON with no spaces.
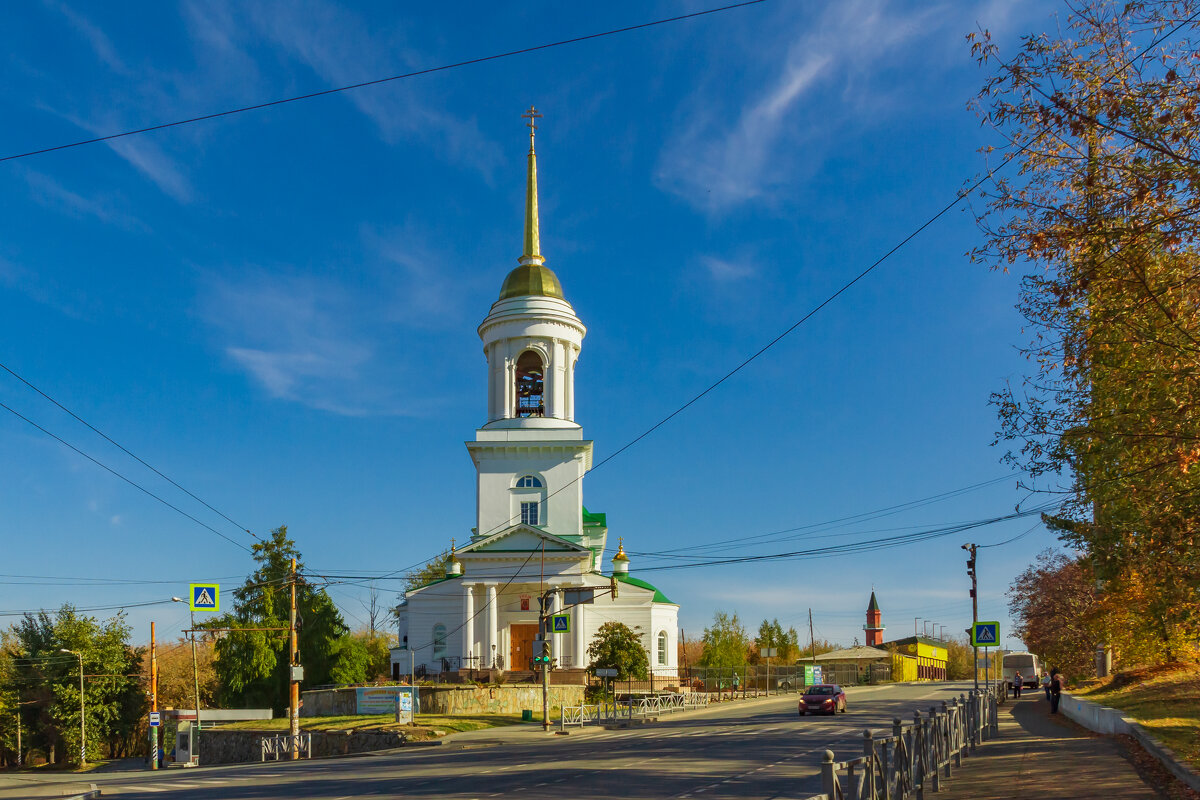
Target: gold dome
{"x":531,"y":279}
{"x":620,"y":556}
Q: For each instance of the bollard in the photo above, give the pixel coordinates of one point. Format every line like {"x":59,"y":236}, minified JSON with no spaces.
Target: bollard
{"x":869,"y":755}
{"x":829,"y":783}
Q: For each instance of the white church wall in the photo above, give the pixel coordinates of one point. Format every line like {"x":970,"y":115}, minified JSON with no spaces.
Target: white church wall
{"x":498,"y":503}
{"x":665,"y":618}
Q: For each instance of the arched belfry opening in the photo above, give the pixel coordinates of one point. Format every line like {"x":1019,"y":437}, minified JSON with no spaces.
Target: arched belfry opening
{"x":531,"y":384}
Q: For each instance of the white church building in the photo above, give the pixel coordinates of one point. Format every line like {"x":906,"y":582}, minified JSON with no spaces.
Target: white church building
{"x":532,"y":531}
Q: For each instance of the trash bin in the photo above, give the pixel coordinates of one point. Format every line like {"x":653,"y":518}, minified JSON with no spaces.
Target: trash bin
{"x":527,"y":715}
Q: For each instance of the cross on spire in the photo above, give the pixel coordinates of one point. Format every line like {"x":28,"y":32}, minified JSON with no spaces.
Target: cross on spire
{"x":533,"y":116}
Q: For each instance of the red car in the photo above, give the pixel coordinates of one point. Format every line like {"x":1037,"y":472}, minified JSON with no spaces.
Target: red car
{"x":823,"y":698}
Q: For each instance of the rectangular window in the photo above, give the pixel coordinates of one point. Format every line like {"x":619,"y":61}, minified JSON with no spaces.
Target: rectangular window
{"x":529,"y":513}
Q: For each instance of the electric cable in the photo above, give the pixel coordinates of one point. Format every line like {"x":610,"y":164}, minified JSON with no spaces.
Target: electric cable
{"x":131,"y":482}
{"x":378,"y":81}
{"x":125,"y":450}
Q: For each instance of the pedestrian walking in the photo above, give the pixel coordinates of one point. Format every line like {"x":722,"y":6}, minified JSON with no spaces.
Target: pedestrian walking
{"x":1056,"y":687}
{"x":735,"y":683}
{"x":1046,"y":686}
{"x":1018,"y":681}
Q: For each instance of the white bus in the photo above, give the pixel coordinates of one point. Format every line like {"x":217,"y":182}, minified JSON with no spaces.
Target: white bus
{"x":1025,"y":663}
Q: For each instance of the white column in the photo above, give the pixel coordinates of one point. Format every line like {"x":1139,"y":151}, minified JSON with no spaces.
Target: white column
{"x":493,"y":650}
{"x":581,"y":659}
{"x":469,"y":628}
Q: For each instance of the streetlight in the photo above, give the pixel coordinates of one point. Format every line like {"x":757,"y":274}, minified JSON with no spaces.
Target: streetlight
{"x":195,"y":678}
{"x":82,"y":718}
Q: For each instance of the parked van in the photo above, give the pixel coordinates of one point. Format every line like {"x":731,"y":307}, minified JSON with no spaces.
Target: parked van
{"x":1025,"y":663}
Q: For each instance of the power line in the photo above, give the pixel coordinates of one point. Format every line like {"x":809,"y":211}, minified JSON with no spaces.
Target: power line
{"x":124,"y":450}
{"x":131,"y":482}
{"x":378,"y":81}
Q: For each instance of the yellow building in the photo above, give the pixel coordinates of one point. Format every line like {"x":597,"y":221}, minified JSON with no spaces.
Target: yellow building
{"x":931,"y":656}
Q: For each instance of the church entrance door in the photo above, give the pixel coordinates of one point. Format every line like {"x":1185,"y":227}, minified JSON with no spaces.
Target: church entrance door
{"x":520,"y":639}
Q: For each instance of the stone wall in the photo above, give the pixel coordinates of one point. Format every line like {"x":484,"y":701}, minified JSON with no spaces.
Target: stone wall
{"x":463,"y":699}
{"x":466,"y":700}
{"x":238,"y":747}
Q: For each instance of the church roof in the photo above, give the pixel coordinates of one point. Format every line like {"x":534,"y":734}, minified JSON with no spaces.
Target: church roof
{"x":533,"y":539}
{"x":854,"y":654}
{"x":594,"y":519}
{"x":874,"y":603}
{"x":531,"y":279}
{"x":659,"y":597}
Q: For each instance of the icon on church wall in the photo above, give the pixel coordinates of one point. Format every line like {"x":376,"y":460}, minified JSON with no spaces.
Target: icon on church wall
{"x":525,"y":602}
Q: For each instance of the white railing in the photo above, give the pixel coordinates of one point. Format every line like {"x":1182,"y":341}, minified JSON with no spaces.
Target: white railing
{"x":275,"y":747}
{"x":664,"y":703}
{"x":916,"y":757}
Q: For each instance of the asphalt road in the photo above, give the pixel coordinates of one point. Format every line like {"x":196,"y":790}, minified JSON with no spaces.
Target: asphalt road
{"x":753,"y":749}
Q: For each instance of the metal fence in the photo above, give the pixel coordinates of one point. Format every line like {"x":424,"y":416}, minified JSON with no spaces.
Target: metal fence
{"x":916,"y":757}
{"x":275,"y":747}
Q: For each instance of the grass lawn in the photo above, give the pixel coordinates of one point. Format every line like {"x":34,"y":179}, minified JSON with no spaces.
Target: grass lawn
{"x":436,"y":723}
{"x":1165,"y":700}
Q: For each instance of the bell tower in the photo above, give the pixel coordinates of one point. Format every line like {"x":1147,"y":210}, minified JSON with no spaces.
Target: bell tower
{"x":530,"y":455}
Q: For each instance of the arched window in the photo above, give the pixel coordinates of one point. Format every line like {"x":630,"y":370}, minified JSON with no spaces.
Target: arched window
{"x":662,"y":648}
{"x":529,"y":482}
{"x":439,"y":640}
{"x":530,"y":386}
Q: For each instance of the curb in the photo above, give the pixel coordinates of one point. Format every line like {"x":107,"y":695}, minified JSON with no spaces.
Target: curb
{"x":1166,"y":755}
{"x":94,"y":792}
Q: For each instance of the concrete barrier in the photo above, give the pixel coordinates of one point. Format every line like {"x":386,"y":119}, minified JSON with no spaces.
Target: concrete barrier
{"x":1094,"y":716}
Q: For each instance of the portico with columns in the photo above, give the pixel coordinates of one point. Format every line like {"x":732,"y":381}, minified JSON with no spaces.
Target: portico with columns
{"x":532,"y":530}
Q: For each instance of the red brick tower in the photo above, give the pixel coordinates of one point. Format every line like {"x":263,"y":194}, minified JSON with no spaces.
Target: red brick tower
{"x":874,"y":626}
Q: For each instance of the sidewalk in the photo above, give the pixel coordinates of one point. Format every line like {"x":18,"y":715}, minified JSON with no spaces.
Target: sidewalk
{"x":1039,"y":757}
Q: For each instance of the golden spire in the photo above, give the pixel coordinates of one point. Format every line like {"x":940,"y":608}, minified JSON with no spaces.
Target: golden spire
{"x":533,"y":248}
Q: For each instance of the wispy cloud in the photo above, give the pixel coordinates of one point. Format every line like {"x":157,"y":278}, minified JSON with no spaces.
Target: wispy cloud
{"x":340,"y":48}
{"x":723,"y":270}
{"x":52,"y":194}
{"x":812,"y":75}
{"x":346,"y":347}
{"x":101,"y":45}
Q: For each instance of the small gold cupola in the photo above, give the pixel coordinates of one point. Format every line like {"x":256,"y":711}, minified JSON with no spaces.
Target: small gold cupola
{"x":620,"y":561}
{"x":454,"y":567}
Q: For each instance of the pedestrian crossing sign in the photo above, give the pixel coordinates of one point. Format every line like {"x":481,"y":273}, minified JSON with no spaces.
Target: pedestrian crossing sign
{"x":561,"y":623}
{"x":206,"y":597}
{"x":985,"y":634}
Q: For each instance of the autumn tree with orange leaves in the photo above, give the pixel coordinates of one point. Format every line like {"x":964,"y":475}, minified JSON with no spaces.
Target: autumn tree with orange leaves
{"x":1093,"y":192}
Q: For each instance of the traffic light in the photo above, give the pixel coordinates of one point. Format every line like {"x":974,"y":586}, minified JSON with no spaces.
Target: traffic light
{"x":543,"y":659}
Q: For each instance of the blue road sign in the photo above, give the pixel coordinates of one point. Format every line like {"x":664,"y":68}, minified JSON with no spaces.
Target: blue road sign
{"x":206,"y":597}
{"x":562,"y":623}
{"x":985,"y":634}
{"x":155,"y":719}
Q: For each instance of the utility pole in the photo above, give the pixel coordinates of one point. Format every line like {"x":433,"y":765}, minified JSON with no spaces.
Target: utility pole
{"x":18,"y":710}
{"x":812,"y":639}
{"x":153,"y":697}
{"x":293,"y":664}
{"x":970,"y":548}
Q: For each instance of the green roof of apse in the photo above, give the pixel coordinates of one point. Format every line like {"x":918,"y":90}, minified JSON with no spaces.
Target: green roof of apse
{"x":591,"y":520}
{"x":659,"y":597}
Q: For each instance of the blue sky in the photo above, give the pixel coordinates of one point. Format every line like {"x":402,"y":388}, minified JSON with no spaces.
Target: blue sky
{"x":278,"y":309}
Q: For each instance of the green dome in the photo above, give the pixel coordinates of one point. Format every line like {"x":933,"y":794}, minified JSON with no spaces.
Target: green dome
{"x":531,"y":279}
